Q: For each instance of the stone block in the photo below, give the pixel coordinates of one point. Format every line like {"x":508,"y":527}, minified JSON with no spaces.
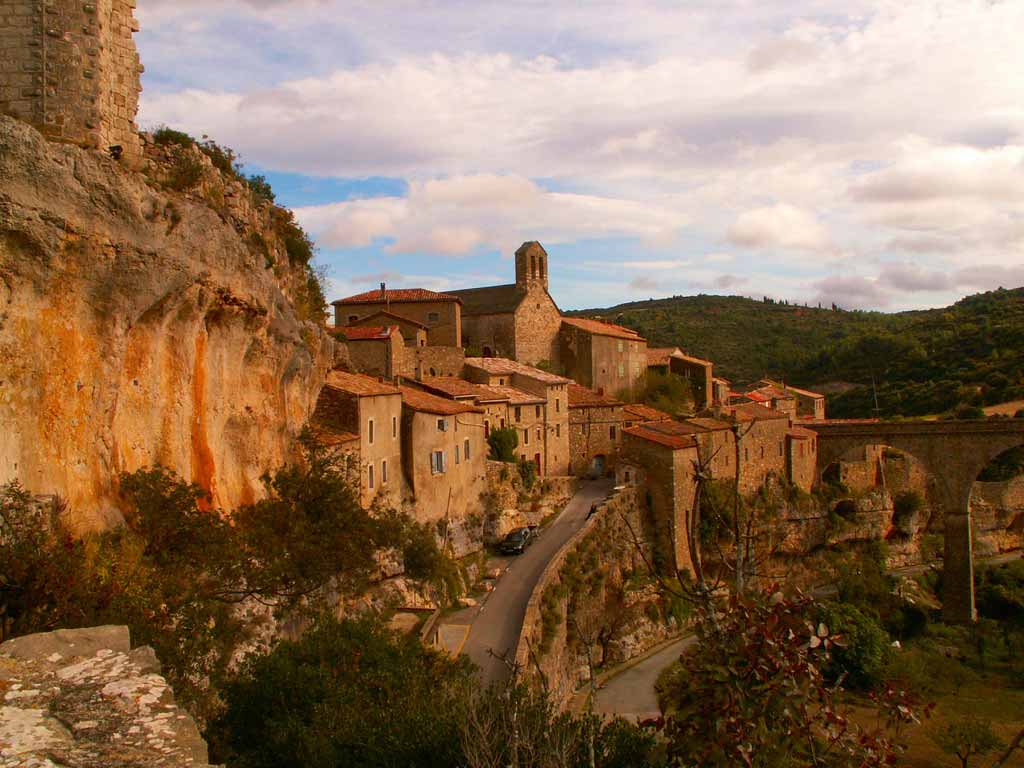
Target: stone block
{"x":68,"y":643}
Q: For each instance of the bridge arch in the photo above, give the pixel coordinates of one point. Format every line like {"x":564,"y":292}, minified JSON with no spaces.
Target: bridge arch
{"x":954,"y":453}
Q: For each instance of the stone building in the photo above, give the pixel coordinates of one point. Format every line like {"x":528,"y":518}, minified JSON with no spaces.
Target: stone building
{"x":595,"y":432}
{"x":658,"y":357}
{"x":699,"y":374}
{"x":519,"y":320}
{"x":70,"y":68}
{"x":493,"y":401}
{"x":441,"y":313}
{"x":548,"y":418}
{"x":809,"y":405}
{"x":603,"y":356}
{"x":444,"y":454}
{"x":375,"y":350}
{"x":360,"y":405}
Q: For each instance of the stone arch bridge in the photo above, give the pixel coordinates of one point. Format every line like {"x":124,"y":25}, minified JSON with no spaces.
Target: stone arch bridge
{"x":954,"y":453}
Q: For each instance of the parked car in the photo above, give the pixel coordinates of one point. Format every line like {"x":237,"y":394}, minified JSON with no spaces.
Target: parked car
{"x":516,"y":541}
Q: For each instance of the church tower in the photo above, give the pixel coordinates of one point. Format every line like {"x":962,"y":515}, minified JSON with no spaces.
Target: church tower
{"x":531,"y":266}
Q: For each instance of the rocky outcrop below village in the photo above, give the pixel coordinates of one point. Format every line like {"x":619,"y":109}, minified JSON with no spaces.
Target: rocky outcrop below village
{"x":141,"y":325}
{"x":83,"y":698}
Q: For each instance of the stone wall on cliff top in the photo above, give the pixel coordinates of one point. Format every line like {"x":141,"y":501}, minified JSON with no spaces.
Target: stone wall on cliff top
{"x":82,"y":698}
{"x":141,"y":326}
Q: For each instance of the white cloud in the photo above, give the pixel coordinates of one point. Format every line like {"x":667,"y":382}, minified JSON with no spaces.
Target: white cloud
{"x":851,"y":292}
{"x":456,"y":216}
{"x":780,"y":226}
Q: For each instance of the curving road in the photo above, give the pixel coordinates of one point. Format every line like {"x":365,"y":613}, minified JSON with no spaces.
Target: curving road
{"x":495,"y":625}
{"x":630,"y":691}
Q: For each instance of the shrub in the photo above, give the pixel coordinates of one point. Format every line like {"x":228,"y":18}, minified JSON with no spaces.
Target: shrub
{"x":966,"y":738}
{"x":261,"y":189}
{"x":503,"y":443}
{"x":527,"y":472}
{"x":185,"y":173}
{"x":860,"y":650}
{"x":905,"y":506}
{"x":346,"y":693}
{"x":167,"y":137}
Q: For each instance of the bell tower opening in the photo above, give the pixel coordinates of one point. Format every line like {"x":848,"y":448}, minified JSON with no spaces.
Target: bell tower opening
{"x":531,"y":265}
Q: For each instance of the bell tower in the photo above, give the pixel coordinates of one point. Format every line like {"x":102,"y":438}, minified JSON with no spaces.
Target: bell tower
{"x":531,"y":266}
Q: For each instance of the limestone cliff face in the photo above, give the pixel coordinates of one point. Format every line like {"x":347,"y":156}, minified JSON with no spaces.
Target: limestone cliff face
{"x":138,"y":327}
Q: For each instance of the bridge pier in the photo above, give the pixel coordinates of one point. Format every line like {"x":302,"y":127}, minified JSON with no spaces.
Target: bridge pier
{"x":958,"y":569}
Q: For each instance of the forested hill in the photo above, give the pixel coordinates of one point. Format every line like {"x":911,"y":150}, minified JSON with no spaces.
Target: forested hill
{"x":922,"y":362}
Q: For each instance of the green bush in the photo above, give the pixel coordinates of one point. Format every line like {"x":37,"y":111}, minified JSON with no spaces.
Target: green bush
{"x":261,"y":189}
{"x":527,"y":472}
{"x":905,"y":506}
{"x":167,"y":137}
{"x":346,"y":693}
{"x":503,"y":443}
{"x":859,"y":653}
{"x":185,"y":173}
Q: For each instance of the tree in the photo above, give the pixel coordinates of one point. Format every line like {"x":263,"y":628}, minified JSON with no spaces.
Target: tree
{"x":503,"y":444}
{"x":965,"y":738}
{"x":751,"y":693}
{"x":346,"y":693}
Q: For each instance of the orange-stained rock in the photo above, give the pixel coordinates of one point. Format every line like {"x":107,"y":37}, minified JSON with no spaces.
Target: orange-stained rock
{"x":139,"y":326}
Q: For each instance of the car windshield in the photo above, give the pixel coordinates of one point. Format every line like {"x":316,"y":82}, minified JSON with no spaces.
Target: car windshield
{"x":518,"y":533}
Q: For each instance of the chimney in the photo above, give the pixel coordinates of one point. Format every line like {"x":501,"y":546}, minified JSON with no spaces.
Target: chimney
{"x":383,"y":292}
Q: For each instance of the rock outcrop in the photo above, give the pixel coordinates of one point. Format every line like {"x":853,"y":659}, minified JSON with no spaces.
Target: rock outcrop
{"x":142,"y":326}
{"x":82,"y":698}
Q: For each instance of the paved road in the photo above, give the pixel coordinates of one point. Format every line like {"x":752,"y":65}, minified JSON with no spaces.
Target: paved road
{"x":630,"y":693}
{"x":499,"y":620}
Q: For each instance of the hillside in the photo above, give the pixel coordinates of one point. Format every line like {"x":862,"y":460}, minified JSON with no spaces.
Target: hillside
{"x":922,"y":362}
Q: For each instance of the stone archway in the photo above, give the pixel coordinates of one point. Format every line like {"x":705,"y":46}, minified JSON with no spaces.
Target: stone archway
{"x":954,"y":454}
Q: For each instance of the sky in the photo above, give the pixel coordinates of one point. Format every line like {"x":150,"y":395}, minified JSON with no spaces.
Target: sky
{"x":863,"y":152}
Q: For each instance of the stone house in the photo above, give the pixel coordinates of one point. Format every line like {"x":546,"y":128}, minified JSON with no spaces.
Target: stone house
{"x":809,"y":405}
{"x":595,"y":432}
{"x":776,"y":397}
{"x":658,"y":357}
{"x":444,"y":454}
{"x":763,"y":434}
{"x":375,"y":350}
{"x":802,"y":457}
{"x":519,"y":320}
{"x":664,"y":453}
{"x":360,"y":405}
{"x":720,"y":391}
{"x":441,"y":313}
{"x":699,"y":374}
{"x":493,"y":401}
{"x":550,"y":417}
{"x":603,"y":356}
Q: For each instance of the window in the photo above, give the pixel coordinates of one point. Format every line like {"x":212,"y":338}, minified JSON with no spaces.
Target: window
{"x":502,"y":423}
{"x":437,"y":462}
{"x":519,"y":413}
{"x":537,"y":411}
{"x":383,"y":472}
{"x":622,"y":370}
{"x":465,"y":448}
{"x":457,"y":454}
{"x":369,"y":477}
{"x":620,"y":345}
{"x":780,"y":448}
{"x":558,"y":430}
{"x":433,"y":372}
{"x":394,"y":427}
{"x":762,"y":451}
{"x":501,"y":382}
{"x":352,"y":318}
{"x":558,"y":405}
{"x":433,"y":317}
{"x":611,"y":432}
{"x":487,"y":429}
{"x":526,"y":437}
{"x":442,"y":425}
{"x":539,"y":438}
{"x":369,"y":431}
{"x":746,"y":454}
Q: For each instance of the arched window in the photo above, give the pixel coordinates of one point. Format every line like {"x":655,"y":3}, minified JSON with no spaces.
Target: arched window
{"x":543,"y":267}
{"x":533,"y":265}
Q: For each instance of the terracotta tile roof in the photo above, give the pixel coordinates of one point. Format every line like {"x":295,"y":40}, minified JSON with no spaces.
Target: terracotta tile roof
{"x":709,"y":424}
{"x":396,"y":296}
{"x":498,"y":366}
{"x":390,"y":316}
{"x":795,"y":390}
{"x":359,"y":384}
{"x":670,"y":434}
{"x":332,"y":438}
{"x":515,"y":396}
{"x":368,"y":332}
{"x":601,"y":328}
{"x":582,"y":397}
{"x":770,"y":392}
{"x":641,"y":412}
{"x":660,"y":355}
{"x":419,"y":400}
{"x":451,"y":386}
{"x":696,"y":360}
